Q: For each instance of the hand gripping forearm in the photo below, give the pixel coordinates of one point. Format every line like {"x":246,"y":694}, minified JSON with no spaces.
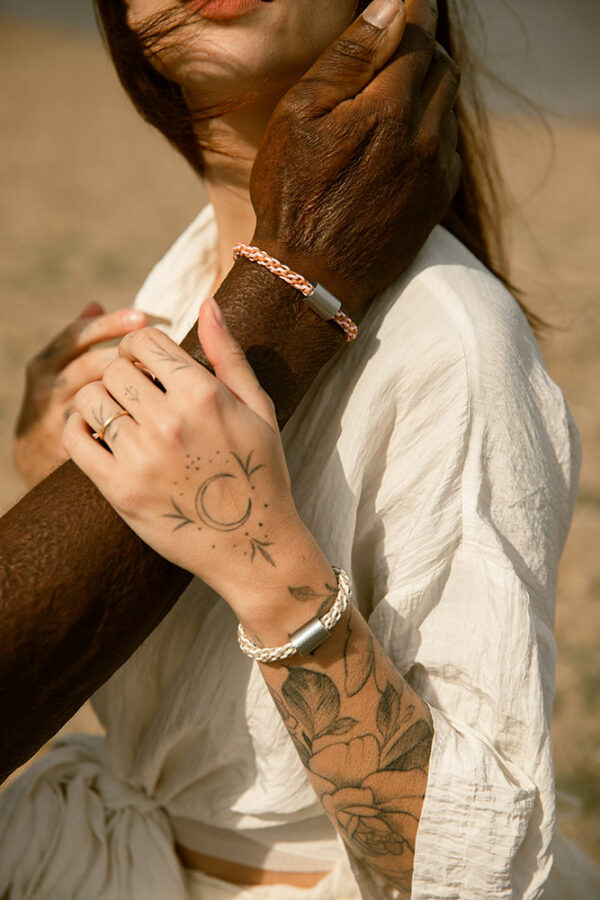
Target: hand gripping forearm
{"x":78,"y":591}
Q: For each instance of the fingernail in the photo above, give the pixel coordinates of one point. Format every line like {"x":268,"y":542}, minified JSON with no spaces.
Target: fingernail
{"x":216,"y":311}
{"x":134,"y":317}
{"x":381,"y":13}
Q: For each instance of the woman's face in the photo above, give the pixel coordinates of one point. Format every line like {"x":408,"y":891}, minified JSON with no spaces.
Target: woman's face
{"x":231,"y":48}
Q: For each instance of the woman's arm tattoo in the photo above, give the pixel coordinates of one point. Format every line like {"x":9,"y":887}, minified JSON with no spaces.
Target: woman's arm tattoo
{"x":365,"y":739}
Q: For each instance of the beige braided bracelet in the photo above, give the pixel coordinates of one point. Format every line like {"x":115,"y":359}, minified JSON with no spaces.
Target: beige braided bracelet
{"x":316,"y":296}
{"x":307,"y":638}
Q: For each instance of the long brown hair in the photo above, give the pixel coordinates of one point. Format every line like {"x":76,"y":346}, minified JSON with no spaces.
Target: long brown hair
{"x":475,"y":216}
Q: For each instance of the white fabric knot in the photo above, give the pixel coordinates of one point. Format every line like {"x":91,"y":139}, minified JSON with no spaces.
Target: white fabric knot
{"x":70,"y":830}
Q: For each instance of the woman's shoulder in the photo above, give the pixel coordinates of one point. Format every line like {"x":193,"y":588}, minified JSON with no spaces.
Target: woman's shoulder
{"x":448,"y":305}
{"x":476,"y":365}
{"x":448,"y":318}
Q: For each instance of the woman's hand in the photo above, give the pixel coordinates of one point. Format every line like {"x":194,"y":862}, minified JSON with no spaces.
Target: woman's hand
{"x":198,"y":470}
{"x":54,"y":376}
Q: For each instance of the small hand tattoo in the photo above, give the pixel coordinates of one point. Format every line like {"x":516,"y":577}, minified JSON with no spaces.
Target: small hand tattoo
{"x":163,"y":354}
{"x":207,"y":507}
{"x":130,"y":393}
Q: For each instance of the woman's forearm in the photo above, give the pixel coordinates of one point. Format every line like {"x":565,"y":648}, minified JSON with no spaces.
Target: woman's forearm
{"x":79,"y":591}
{"x":365,"y":739}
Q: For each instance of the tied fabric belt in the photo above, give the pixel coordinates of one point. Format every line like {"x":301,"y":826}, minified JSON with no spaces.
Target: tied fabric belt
{"x":70,"y":830}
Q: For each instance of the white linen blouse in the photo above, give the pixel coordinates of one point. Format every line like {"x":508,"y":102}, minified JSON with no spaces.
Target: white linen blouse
{"x":435,"y":460}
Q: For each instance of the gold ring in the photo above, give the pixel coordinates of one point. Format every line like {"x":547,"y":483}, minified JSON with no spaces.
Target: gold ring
{"x":99,"y":435}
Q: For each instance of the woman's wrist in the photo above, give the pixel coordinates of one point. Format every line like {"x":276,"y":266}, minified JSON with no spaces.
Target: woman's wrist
{"x":302,"y":586}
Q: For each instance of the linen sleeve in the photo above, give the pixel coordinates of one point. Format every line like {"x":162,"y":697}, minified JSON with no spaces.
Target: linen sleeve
{"x":486,"y":824}
{"x":457,"y":609}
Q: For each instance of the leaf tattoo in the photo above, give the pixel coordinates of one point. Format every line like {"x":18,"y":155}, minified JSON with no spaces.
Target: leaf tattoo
{"x":358,"y":664}
{"x":246,"y":467}
{"x":179,"y":516}
{"x":259,"y":547}
{"x":312,"y":698}
{"x":179,"y":362}
{"x":412,"y":749}
{"x":304,"y":593}
{"x":388,"y":712}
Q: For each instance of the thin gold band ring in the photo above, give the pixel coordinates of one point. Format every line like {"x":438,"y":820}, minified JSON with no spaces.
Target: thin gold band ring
{"x":99,"y":435}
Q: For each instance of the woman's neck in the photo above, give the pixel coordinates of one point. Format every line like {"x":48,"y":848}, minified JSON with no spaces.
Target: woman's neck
{"x":234,"y":140}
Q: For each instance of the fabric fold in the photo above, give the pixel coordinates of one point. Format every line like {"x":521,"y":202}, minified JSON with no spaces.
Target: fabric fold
{"x":70,"y":830}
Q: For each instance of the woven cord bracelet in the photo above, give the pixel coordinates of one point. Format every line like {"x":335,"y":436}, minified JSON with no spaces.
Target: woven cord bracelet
{"x":307,"y":638}
{"x":316,"y":296}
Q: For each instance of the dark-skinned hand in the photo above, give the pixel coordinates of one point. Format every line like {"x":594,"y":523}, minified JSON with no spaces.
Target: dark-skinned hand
{"x":365,"y":150}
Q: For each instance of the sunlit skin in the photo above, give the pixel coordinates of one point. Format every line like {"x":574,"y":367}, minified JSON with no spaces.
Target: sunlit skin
{"x":258,"y":56}
{"x":239,"y":464}
{"x":262,"y":55}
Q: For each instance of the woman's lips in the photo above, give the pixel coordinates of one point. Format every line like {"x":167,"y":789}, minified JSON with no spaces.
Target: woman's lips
{"x":224,"y":9}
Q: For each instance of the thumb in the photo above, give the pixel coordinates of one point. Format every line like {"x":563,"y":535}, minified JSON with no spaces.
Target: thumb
{"x":230,"y":364}
{"x":349,"y":64}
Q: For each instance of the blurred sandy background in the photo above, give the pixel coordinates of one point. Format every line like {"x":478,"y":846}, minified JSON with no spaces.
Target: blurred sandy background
{"x":91,"y":198}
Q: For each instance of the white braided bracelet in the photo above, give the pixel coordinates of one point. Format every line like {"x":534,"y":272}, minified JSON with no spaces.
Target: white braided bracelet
{"x":307,"y":638}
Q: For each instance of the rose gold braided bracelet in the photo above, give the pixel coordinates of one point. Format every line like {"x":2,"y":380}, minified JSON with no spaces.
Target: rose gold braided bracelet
{"x":317,"y":297}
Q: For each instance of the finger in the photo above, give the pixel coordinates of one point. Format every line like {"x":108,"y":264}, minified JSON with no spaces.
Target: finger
{"x":92,"y":309}
{"x":454,"y":174}
{"x":159,"y":355}
{"x":407,"y":69}
{"x":230,"y":364}
{"x":440,"y":88}
{"x":88,"y":367}
{"x":106,"y":328}
{"x":83,"y":333}
{"x":86,"y":452}
{"x":98,"y":408}
{"x":350,"y":63}
{"x":133,"y":390}
{"x":423,"y":14}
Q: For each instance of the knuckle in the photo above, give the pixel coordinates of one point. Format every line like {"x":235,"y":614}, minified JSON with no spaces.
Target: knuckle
{"x":209,"y":395}
{"x":295,"y":104}
{"x":430,"y":145}
{"x":431,"y":17}
{"x":112,"y":370}
{"x":140,"y":337}
{"x":443,"y":57}
{"x":149,"y":332}
{"x":421,"y":40}
{"x":269,"y":403}
{"x":170,"y":428}
{"x":353,"y":51}
{"x":86,"y":394}
{"x":128,"y":499}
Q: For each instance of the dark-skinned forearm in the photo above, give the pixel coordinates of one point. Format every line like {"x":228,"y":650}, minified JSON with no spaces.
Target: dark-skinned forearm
{"x":79,"y":592}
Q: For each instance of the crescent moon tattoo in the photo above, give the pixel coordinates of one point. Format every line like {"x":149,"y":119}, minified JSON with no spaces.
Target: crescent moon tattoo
{"x":206,"y":516}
